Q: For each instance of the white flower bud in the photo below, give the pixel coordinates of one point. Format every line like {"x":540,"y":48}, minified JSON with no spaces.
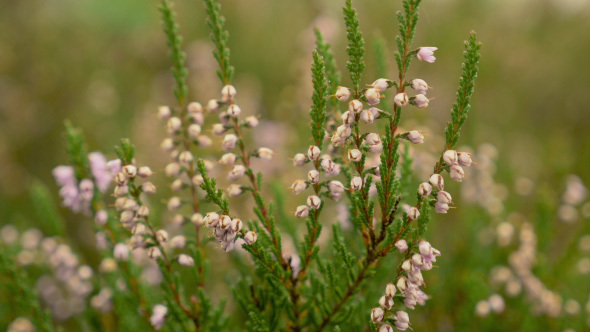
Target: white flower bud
{"x":121,"y":252}
{"x":342,"y":93}
{"x":251,"y":121}
{"x":425,"y":189}
{"x":224,"y":118}
{"x":250,"y":237}
{"x":144,"y":172}
{"x":121,"y":191}
{"x":386,"y":302}
{"x":402,"y":284}
{"x":415,"y":137}
{"x":178,"y":242}
{"x":194,"y":130}
{"x":437,"y":181}
{"x":420,"y":86}
{"x":236,"y":173}
{"x":482,"y":308}
{"x":154,"y":252}
{"x":197,"y":180}
{"x":130,"y":204}
{"x":228,"y":92}
{"x":313,"y":176}
{"x":348,"y":118}
{"x":130,"y":171}
{"x":138,"y":229}
{"x":444,"y":197}
{"x":234,"y":111}
{"x":126,"y":217}
{"x":164,"y":112}
{"x":227,"y":159}
{"x":229,"y":142}
{"x":375,"y":111}
{"x":167,"y":145}
{"x":194,"y":107}
{"x":234,"y":190}
{"x":174,"y":125}
{"x":204,"y":141}
{"x":381,"y":84}
{"x":356,"y":183}
{"x":143,"y":211}
{"x":218,"y":129}
{"x":299,"y":160}
{"x":172,"y":169}
{"x":265,"y":153}
{"x":314,"y":202}
{"x":174,"y":203}
{"x":298,"y":186}
{"x":162,"y":236}
{"x":101,"y":217}
{"x":373,"y":139}
{"x":390,"y":290}
{"x":211,"y":219}
{"x":302,"y":211}
{"x":185,"y":158}
{"x":148,"y":188}
{"x":198,"y":118}
{"x":421,"y":101}
{"x":456,"y":173}
{"x":377,"y":315}
{"x":402,"y":320}
{"x":120,"y":179}
{"x":441,"y":207}
{"x":401,"y":245}
{"x":385,"y":328}
{"x":336,"y":187}
{"x":355,"y":106}
{"x":197,"y":219}
{"x":401,"y":99}
{"x":450,"y":157}
{"x":213,"y":106}
{"x":367,"y":116}
{"x":355,"y":155}
{"x":236,"y":225}
{"x":313,"y":152}
{"x":464,"y":159}
{"x":413,"y":213}
{"x":373,"y":96}
{"x":185,"y":260}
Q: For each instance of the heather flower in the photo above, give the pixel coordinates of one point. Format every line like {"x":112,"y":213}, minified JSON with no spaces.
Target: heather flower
{"x":421,"y":101}
{"x":355,"y":155}
{"x":377,"y":315}
{"x":401,"y":245}
{"x":158,"y":317}
{"x":456,"y":173}
{"x":381,"y":84}
{"x":100,"y":171}
{"x":437,"y":181}
{"x":314,"y":202}
{"x":367,"y":117}
{"x":299,"y":160}
{"x":450,"y":157}
{"x":426,"y":54}
{"x":425,"y":189}
{"x":302,"y":211}
{"x":415,"y":137}
{"x":420,"y":86}
{"x":265,"y":153}
{"x":372,"y":96}
{"x":401,"y":99}
{"x":250,"y":237}
{"x":342,"y":93}
{"x":194,"y":107}
{"x":185,"y":260}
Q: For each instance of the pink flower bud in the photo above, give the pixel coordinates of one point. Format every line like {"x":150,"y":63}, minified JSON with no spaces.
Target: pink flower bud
{"x":228,"y":92}
{"x":194,"y":108}
{"x":313,"y":152}
{"x":367,"y":117}
{"x":298,"y":186}
{"x":211,"y":219}
{"x":457,"y":173}
{"x":185,"y":158}
{"x":373,"y":96}
{"x":302,"y":211}
{"x":426,"y":54}
{"x":167,"y":145}
{"x":172,"y":169}
{"x":130,"y":171}
{"x":197,"y":219}
{"x":212,"y":106}
{"x":234,"y":111}
{"x":444,"y":197}
{"x":234,"y":190}
{"x":373,"y":139}
{"x":385,"y":328}
{"x":299,"y":160}
{"x":148,"y":188}
{"x":194,"y":130}
{"x":313,"y":176}
{"x":162,"y":236}
{"x":178,"y":242}
{"x":236,"y":173}
{"x":314,"y":202}
{"x":251,"y":121}
{"x":121,"y":252}
{"x":164,"y":112}
{"x":250,"y":238}
{"x":236,"y":225}
{"x":464,"y":159}
{"x":342,"y":93}
{"x":185,"y":260}
{"x":154,"y":252}
{"x":348,"y":118}
{"x":437,"y":181}
{"x":415,"y":137}
{"x":227,"y":159}
{"x":355,"y":106}
{"x":401,"y":99}
{"x":413,"y":213}
{"x":401,"y":245}
{"x":441,"y":207}
{"x":421,"y":101}
{"x":402,"y":320}
{"x":356,"y":183}
{"x":450,"y":157}
{"x":420,"y":86}
{"x":425,"y":189}
{"x":355,"y":155}
{"x":377,"y":315}
{"x":174,"y":125}
{"x":229,"y":142}
{"x":386,"y":302}
{"x":174,"y":203}
{"x":265,"y":153}
{"x":390,"y":290}
{"x":381,"y":84}
{"x":144,"y":172}
{"x":375,"y":111}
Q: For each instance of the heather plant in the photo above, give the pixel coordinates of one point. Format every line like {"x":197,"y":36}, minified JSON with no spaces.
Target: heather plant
{"x":297,"y":267}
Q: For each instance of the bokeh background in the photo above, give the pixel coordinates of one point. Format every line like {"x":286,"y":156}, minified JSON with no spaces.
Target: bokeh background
{"x":104,"y":65}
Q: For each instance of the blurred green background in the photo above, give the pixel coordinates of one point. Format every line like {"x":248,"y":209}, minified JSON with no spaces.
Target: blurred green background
{"x":104,"y":65}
